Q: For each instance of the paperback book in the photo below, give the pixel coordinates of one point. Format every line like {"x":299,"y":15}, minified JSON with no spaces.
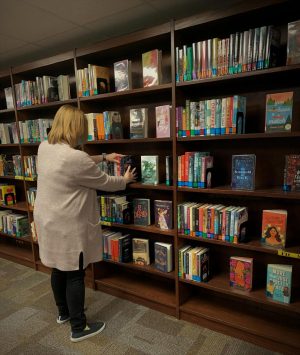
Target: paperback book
{"x":139,"y":123}
{"x":274,"y":228}
{"x":163,"y":117}
{"x":243,"y":172}
{"x":241,"y":271}
{"x":163,"y":214}
{"x":122,"y":72}
{"x":116,"y":125}
{"x":279,"y":112}
{"x":279,"y":282}
{"x":151,"y":62}
{"x":163,"y":256}
{"x":149,"y":169}
{"x":140,"y":251}
{"x":141,"y":211}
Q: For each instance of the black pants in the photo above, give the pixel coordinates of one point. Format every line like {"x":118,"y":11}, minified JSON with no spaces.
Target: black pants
{"x":69,"y":294}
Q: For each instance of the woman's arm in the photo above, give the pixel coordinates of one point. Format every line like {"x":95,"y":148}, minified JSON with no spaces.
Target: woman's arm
{"x":109,"y":157}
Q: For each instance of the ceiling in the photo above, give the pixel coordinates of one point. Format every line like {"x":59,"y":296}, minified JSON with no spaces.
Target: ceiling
{"x":34,"y":29}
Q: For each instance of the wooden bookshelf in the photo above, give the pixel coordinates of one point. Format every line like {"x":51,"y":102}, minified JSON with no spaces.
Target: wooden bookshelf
{"x":19,"y":206}
{"x":214,"y":304}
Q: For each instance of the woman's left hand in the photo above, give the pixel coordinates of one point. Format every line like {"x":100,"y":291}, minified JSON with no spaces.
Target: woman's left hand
{"x":113,"y":157}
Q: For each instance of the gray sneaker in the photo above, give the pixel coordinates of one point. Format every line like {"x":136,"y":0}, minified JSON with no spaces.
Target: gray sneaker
{"x":62,"y":319}
{"x":90,"y":330}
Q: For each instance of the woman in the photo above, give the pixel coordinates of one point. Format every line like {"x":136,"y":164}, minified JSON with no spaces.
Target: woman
{"x":66,"y":214}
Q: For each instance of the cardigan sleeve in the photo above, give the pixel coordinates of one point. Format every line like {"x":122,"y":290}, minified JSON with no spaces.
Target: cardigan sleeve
{"x":89,"y":175}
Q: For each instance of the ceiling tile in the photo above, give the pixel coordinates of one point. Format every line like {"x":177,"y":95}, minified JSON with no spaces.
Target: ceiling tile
{"x":83,"y":11}
{"x":29,"y":23}
{"x":8,"y":43}
{"x":20,"y":55}
{"x":127,"y":21}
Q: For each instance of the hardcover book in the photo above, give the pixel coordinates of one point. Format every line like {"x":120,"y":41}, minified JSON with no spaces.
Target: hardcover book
{"x":163,"y":116}
{"x":140,"y":251}
{"x":163,"y":256}
{"x":243,"y":172}
{"x":149,"y":169}
{"x":122,"y":72}
{"x":274,"y":228}
{"x":139,"y":123}
{"x":291,"y":175}
{"x":279,"y":112}
{"x":151,"y":62}
{"x":163,"y":213}
{"x":293,"y":43}
{"x":241,"y":271}
{"x":116,"y":125}
{"x":141,"y":211}
{"x":279,"y":282}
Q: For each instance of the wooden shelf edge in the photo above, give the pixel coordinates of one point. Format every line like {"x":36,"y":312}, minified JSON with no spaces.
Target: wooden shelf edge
{"x":148,"y":229}
{"x":130,"y":141}
{"x":139,"y":185}
{"x":47,"y":105}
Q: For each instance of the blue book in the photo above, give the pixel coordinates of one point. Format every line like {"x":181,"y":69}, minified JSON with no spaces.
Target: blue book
{"x":243,"y":172}
{"x":279,"y":282}
{"x":279,"y":112}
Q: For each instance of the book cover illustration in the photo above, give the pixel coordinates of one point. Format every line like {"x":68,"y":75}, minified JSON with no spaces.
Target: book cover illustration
{"x":274,"y":228}
{"x":163,"y":256}
{"x":243,"y":172}
{"x":116,"y":125}
{"x":140,"y":251}
{"x":291,"y":175}
{"x":279,"y":282}
{"x":163,"y":214}
{"x":151,"y":62}
{"x":149,"y":169}
{"x":279,"y":112}
{"x":122,"y":72}
{"x":241,"y":271}
{"x":163,"y":115}
{"x":293,"y":43}
{"x":139,"y":123}
{"x":141,"y":211}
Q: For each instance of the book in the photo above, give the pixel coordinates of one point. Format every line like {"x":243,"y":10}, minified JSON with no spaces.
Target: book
{"x":241,"y":272}
{"x":141,"y":211}
{"x":116,"y":125}
{"x":169,"y":170}
{"x":9,"y":98}
{"x":163,"y":213}
{"x":163,"y":253}
{"x":274,"y":228}
{"x":122,"y":73}
{"x":151,"y":62}
{"x":139,"y":123}
{"x":140,"y":251}
{"x":291,"y":173}
{"x":293,"y":43}
{"x":7,"y":194}
{"x":163,"y":118}
{"x":149,"y":169}
{"x":243,"y":172}
{"x":279,"y":282}
{"x":279,"y":112}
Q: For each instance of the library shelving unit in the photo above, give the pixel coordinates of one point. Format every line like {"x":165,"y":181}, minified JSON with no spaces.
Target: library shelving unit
{"x":250,"y":316}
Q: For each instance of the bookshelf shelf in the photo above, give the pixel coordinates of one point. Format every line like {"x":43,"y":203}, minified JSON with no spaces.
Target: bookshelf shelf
{"x":47,"y":105}
{"x":9,"y":145}
{"x":19,"y":240}
{"x":148,"y":229}
{"x":131,"y":141}
{"x":276,"y":193}
{"x":7,"y":110}
{"x":30,"y":144}
{"x":8,"y":177}
{"x":147,"y":268}
{"x":220,"y":283}
{"x":13,"y":251}
{"x":241,"y":136}
{"x":19,"y":206}
{"x":138,"y":185}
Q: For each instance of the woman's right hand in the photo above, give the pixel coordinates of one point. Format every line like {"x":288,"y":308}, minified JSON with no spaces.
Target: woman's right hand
{"x":130,"y":175}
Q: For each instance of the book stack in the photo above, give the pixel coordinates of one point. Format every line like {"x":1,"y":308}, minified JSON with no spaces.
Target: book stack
{"x":114,"y":209}
{"x":14,"y":224}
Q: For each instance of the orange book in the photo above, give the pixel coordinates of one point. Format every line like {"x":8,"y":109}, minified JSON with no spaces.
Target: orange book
{"x":100,"y":125}
{"x":274,"y":228}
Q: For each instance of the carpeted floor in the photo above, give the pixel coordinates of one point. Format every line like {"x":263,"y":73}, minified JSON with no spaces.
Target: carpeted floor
{"x":28,"y":324}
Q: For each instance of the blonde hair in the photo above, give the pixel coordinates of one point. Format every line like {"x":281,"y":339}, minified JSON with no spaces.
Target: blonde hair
{"x":69,"y":126}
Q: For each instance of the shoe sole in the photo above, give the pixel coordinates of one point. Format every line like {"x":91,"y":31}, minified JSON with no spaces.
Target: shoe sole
{"x":62,"y":321}
{"x":76,"y":340}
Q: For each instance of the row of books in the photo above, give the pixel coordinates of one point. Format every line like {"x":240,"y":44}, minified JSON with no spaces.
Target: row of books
{"x":29,"y":162}
{"x":212,"y":221}
{"x":106,"y":125}
{"x":8,"y":133}
{"x":31,"y":195}
{"x":95,"y":79}
{"x":279,"y":278}
{"x":33,"y":131}
{"x":117,"y":209}
{"x":211,"y":117}
{"x":253,"y":49}
{"x":124,"y":248}
{"x":195,"y":169}
{"x":44,"y":89}
{"x":14,"y":224}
